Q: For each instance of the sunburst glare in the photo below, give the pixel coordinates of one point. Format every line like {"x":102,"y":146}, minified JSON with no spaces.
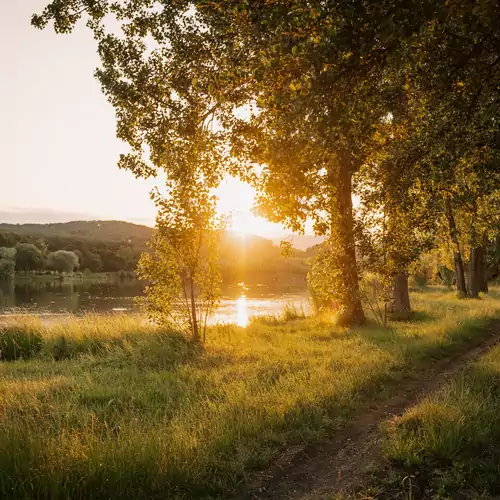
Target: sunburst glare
{"x":242,"y":311}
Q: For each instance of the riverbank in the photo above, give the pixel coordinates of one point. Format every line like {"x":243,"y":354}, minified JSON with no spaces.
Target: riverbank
{"x":113,"y":407}
{"x":74,"y":277}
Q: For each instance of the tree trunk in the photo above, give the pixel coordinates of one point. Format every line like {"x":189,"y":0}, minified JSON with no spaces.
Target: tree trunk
{"x":475,"y":272}
{"x":401,"y":296}
{"x":457,"y":252}
{"x":483,"y":285}
{"x":194,"y":319}
{"x":343,"y":233}
{"x":494,"y":270}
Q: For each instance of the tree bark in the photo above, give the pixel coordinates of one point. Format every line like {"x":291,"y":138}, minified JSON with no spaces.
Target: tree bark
{"x":457,"y":252}
{"x":494,"y":270}
{"x":483,"y":285}
{"x":475,"y":272}
{"x":343,"y":232}
{"x":194,"y":319}
{"x":401,"y":306}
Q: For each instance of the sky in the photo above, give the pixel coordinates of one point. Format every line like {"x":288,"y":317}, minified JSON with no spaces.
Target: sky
{"x":57,"y":134}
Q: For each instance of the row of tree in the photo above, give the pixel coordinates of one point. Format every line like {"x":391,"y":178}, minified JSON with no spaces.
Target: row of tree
{"x":26,"y":257}
{"x":396,"y":101}
{"x":253,"y":260}
{"x":93,"y":255}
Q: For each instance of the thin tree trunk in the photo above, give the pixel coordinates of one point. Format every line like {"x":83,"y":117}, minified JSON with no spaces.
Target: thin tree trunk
{"x":483,"y":285}
{"x":343,"y":233}
{"x":457,"y":252}
{"x":194,"y":320}
{"x":475,"y":272}
{"x":401,"y":306}
{"x":475,"y":260}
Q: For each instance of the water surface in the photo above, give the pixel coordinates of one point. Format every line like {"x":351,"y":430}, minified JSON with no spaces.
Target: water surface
{"x":238,"y":303}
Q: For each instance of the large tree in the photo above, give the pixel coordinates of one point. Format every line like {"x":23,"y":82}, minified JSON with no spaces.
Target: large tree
{"x":294,"y":86}
{"x":62,"y":261}
{"x":451,"y":84}
{"x":28,"y":257}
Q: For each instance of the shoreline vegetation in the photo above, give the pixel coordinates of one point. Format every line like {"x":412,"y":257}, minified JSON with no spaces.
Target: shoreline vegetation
{"x":111,"y":249}
{"x":77,"y":276}
{"x":113,"y":406}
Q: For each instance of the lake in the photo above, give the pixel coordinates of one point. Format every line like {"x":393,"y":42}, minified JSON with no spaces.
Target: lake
{"x":50,"y":298}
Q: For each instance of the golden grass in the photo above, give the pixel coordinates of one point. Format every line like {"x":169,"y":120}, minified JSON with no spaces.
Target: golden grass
{"x":132,"y":411}
{"x":450,"y":440}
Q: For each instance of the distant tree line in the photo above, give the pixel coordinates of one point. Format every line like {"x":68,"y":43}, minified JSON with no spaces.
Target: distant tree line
{"x":258,"y":260}
{"x":94,"y":256}
{"x":253,"y":260}
{"x":28,"y":258}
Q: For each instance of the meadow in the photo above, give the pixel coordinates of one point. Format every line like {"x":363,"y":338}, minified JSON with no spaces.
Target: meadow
{"x":108,"y":407}
{"x":446,"y":446}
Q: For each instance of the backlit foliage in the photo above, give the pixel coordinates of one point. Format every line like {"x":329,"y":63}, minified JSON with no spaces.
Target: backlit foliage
{"x":183,"y":268}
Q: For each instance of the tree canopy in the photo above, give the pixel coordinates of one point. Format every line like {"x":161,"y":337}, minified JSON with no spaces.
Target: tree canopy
{"x":308,"y":101}
{"x":28,"y":257}
{"x":63,"y":261}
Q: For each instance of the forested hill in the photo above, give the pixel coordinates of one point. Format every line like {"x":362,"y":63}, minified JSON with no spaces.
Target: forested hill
{"x":111,"y":246}
{"x":107,"y":246}
{"x":99,"y":230}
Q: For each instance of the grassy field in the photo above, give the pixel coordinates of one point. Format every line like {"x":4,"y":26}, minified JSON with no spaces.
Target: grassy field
{"x":113,"y":407}
{"x":448,"y":445}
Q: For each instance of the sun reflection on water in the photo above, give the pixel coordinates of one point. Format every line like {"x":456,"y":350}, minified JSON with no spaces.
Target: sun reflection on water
{"x":242,"y":312}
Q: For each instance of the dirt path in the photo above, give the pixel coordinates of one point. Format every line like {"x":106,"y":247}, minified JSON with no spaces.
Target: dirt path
{"x":317,"y":472}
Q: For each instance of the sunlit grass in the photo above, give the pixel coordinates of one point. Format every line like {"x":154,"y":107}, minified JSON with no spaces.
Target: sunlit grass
{"x":132,"y":411}
{"x":290,"y":312}
{"x":450,"y":440}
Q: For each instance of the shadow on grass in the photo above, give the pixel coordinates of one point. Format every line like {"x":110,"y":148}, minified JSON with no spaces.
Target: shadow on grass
{"x":160,"y":350}
{"x":415,"y":347}
{"x":415,"y":317}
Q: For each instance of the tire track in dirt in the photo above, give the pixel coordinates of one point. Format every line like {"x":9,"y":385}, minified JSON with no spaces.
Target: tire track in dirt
{"x":321,"y":471}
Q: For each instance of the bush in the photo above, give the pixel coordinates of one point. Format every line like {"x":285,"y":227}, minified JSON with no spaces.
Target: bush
{"x":18,"y":342}
{"x":61,"y":349}
{"x":66,"y":348}
{"x":7,"y":269}
{"x":419,"y":280}
{"x":376,"y":294}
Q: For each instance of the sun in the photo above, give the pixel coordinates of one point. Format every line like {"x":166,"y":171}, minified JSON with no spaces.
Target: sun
{"x":245,"y":223}
{"x":236,"y":200}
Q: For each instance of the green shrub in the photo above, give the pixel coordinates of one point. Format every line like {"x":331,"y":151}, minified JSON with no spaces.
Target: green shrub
{"x":18,"y":342}
{"x":7,"y":269}
{"x":61,"y":349}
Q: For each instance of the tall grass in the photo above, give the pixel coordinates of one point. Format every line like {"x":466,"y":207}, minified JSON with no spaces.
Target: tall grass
{"x":451,"y":439}
{"x":19,"y":342}
{"x":115,"y":407}
{"x":290,"y":312}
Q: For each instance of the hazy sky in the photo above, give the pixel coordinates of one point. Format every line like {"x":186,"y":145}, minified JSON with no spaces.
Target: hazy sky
{"x":57,"y":131}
